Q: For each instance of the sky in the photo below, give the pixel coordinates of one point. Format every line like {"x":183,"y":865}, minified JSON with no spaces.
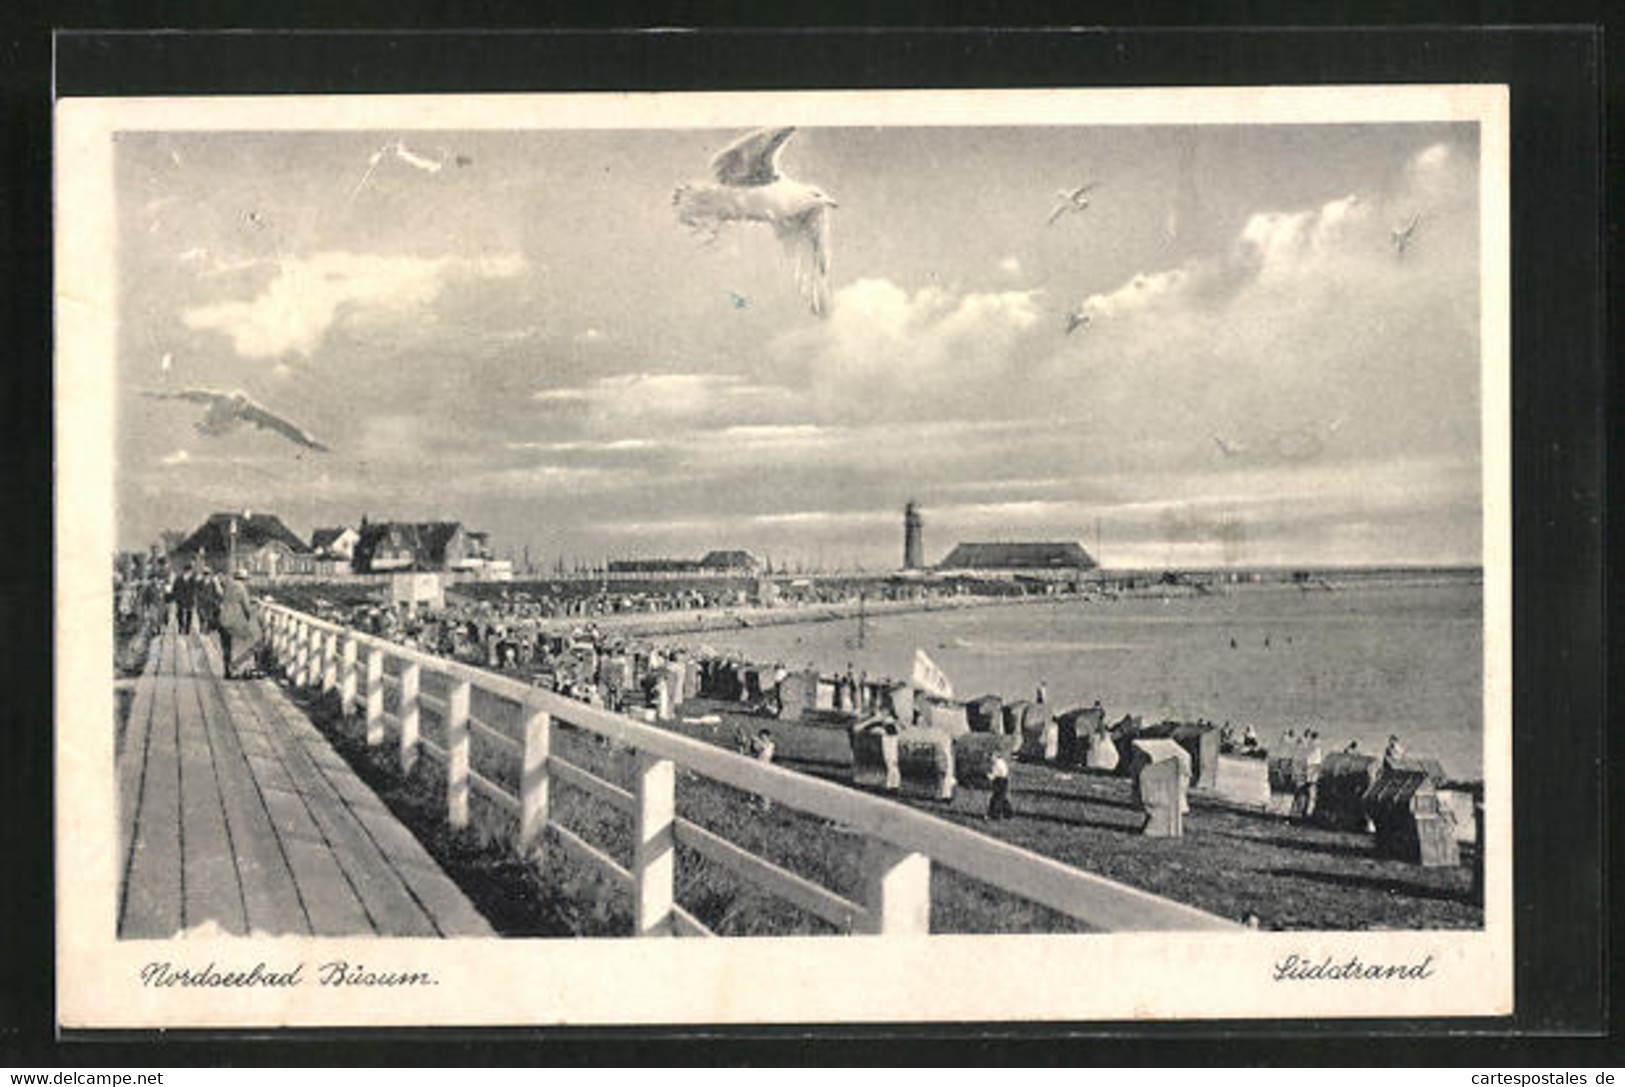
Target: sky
{"x":526,"y":340}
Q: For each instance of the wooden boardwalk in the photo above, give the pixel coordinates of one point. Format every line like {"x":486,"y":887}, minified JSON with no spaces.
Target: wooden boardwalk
{"x":237,"y":816}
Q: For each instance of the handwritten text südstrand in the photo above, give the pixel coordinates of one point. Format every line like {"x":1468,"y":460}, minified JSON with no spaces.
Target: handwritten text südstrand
{"x":1294,"y":968}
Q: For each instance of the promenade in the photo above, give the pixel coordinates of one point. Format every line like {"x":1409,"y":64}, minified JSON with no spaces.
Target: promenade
{"x":236,"y":816}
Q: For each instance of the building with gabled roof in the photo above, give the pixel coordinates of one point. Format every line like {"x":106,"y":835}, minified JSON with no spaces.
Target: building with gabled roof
{"x":262,"y":544}
{"x":426,"y":545}
{"x":334,"y":543}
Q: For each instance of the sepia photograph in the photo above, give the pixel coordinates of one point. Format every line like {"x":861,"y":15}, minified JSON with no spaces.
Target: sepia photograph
{"x":1066,"y":529}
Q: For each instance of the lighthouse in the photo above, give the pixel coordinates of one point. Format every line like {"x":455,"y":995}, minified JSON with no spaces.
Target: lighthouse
{"x":913,"y":542}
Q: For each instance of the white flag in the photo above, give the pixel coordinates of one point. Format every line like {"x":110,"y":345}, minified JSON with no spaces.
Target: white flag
{"x":928,"y":677}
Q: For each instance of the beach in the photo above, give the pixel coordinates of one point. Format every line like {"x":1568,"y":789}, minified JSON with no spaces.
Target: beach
{"x":1359,"y":662}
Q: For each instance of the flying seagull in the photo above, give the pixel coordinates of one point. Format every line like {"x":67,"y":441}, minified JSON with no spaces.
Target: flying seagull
{"x":1401,"y":236}
{"x":229,"y":410}
{"x":750,"y":188}
{"x":1070,"y":200}
{"x":1075,"y":320}
{"x":739,"y":301}
{"x":1229,"y":448}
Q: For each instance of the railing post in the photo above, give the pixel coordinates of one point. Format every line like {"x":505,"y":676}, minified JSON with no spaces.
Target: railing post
{"x":409,"y":716}
{"x":374,"y":714}
{"x":313,"y":656}
{"x":457,"y":755}
{"x":895,"y":889}
{"x":347,"y":676}
{"x":654,"y":854}
{"x":330,"y":660}
{"x":533,"y":782}
{"x":301,"y":651}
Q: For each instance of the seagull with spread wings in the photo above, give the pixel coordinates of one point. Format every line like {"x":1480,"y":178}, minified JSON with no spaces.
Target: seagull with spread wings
{"x":1070,"y":200}
{"x":750,"y":188}
{"x":1077,"y":319}
{"x":229,"y":410}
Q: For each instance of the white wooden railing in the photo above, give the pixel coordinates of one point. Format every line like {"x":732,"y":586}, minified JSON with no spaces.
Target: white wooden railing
{"x":900,"y":843}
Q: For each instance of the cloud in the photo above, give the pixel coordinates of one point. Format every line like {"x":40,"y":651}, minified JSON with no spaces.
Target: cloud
{"x":548,"y":479}
{"x":308,"y":296}
{"x":1307,"y":316}
{"x":615,"y":445}
{"x":911,"y":353}
{"x":648,"y":397}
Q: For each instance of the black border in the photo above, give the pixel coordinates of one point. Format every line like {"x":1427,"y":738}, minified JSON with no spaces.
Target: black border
{"x":1560,"y":404}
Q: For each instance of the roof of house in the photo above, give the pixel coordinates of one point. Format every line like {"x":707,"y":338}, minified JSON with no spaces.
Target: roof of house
{"x":254,"y":530}
{"x":1046,"y":555}
{"x":426,"y":540}
{"x":728,"y":559}
{"x":324,"y":537}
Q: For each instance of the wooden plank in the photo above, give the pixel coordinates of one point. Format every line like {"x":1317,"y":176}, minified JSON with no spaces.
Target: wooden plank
{"x":445,"y":906}
{"x":207,"y":858}
{"x":252,"y":742}
{"x":819,"y":901}
{"x":453,"y":914}
{"x":493,"y":792}
{"x":331,"y":904}
{"x":585,"y":850}
{"x":152,"y":888}
{"x":270,"y":897}
{"x":391,"y":908}
{"x":499,"y":740}
{"x":132,"y":759}
{"x":686,"y":924}
{"x":290,"y":817}
{"x":268,"y":772}
{"x":571,"y":774}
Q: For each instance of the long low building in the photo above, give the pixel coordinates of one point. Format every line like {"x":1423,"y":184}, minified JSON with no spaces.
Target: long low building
{"x":1050,"y":560}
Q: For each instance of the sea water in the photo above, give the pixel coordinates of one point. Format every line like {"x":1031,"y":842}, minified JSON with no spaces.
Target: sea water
{"x":1361,"y":661}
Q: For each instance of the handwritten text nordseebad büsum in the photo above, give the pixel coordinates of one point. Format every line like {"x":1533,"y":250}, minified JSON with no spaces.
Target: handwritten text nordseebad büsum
{"x":163,"y":975}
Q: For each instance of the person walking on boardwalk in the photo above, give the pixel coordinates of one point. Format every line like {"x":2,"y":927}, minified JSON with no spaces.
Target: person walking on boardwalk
{"x":239,"y":627}
{"x":998,"y":774}
{"x":185,"y":599}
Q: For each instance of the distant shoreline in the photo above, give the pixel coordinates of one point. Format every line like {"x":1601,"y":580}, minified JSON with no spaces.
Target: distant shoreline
{"x":733,"y":619}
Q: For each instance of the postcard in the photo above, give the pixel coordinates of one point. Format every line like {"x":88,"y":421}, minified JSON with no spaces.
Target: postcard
{"x":817,"y":557}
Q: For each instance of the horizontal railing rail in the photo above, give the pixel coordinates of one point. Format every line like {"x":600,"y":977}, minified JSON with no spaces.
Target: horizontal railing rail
{"x":900,"y":843}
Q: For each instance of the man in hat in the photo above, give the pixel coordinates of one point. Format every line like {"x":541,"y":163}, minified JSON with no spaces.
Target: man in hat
{"x":185,"y":599}
{"x":239,"y":627}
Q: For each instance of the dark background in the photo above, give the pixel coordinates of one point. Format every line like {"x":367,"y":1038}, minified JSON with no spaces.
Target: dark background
{"x":1564,"y":400}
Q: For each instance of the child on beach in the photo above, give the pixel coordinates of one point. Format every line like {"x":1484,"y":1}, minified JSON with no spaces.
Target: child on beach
{"x":998,"y":774}
{"x":764,"y":753}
